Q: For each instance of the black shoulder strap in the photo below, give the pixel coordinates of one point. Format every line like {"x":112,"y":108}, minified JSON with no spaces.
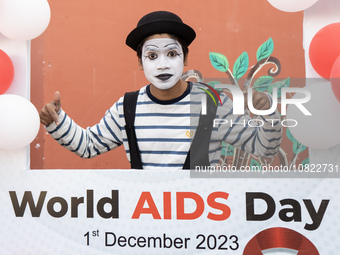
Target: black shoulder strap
{"x":129,"y":106}
{"x":198,"y":154}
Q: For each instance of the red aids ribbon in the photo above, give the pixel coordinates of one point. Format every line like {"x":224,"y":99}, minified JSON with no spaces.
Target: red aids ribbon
{"x":279,"y":238}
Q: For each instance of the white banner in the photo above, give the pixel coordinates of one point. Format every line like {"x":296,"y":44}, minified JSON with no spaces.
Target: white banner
{"x":61,"y":212}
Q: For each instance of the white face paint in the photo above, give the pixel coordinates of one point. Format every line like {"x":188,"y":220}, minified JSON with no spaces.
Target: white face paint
{"x":163,"y":62}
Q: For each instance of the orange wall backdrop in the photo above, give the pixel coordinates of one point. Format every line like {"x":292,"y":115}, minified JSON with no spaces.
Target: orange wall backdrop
{"x":83,"y":55}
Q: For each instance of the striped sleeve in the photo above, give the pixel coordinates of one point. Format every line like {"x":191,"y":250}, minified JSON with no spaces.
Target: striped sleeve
{"x":89,"y":142}
{"x":259,"y":136}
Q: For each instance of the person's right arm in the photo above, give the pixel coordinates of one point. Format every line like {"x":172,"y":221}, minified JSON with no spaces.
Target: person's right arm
{"x":86,"y":143}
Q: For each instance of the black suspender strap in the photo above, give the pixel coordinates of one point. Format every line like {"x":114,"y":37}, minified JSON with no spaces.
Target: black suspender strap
{"x":198,"y":154}
{"x":129,"y":106}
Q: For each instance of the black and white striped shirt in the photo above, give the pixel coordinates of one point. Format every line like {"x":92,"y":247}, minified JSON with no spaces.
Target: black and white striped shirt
{"x":164,"y":130}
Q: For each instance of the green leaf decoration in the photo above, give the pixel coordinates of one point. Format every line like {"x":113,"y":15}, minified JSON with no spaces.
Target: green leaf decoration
{"x":219,"y":61}
{"x":279,"y":85}
{"x":224,"y":148}
{"x":241,"y":66}
{"x":262,"y":83}
{"x":223,"y":151}
{"x":304,"y":162}
{"x":255,"y":165}
{"x":227,"y":149}
{"x":213,"y":83}
{"x":287,"y":82}
{"x":230,"y":150}
{"x":297,"y":146}
{"x":289,"y":135}
{"x":265,"y":50}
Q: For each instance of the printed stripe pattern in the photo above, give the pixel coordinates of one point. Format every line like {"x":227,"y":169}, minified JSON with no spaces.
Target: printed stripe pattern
{"x":163,"y":131}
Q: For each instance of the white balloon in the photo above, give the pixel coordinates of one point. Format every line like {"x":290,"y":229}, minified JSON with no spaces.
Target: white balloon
{"x":24,"y":19}
{"x":321,"y":129}
{"x":292,"y":5}
{"x":19,"y":122}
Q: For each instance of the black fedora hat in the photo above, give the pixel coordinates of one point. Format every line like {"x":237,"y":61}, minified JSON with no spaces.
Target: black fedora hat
{"x":157,"y":23}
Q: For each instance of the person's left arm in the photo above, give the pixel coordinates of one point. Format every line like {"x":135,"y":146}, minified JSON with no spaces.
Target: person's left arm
{"x":260,"y":136}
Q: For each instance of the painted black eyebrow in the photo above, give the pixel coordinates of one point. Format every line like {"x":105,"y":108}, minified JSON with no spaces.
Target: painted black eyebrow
{"x":171,"y":44}
{"x":151,"y":45}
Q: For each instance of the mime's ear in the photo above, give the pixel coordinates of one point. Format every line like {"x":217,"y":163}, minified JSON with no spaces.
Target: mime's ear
{"x":186,"y":59}
{"x":140,"y":64}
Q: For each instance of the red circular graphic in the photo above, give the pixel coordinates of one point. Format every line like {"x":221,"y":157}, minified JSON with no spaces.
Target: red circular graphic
{"x":279,"y":238}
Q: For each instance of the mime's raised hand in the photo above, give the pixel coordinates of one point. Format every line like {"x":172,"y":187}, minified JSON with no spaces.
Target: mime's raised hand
{"x":49,"y":113}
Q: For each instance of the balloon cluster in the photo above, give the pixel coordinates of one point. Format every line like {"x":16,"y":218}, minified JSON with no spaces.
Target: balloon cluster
{"x":319,"y":130}
{"x":19,"y":122}
{"x":324,"y":55}
{"x":19,"y":20}
{"x":292,"y":5}
{"x":24,"y":19}
{"x":6,"y":72}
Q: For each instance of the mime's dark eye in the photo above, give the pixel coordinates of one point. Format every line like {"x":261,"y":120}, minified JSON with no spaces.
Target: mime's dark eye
{"x":172,"y":54}
{"x":152,"y":56}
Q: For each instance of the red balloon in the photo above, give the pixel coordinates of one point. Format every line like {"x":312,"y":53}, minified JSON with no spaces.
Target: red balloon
{"x":335,"y":78}
{"x":324,"y":49}
{"x":6,"y":72}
